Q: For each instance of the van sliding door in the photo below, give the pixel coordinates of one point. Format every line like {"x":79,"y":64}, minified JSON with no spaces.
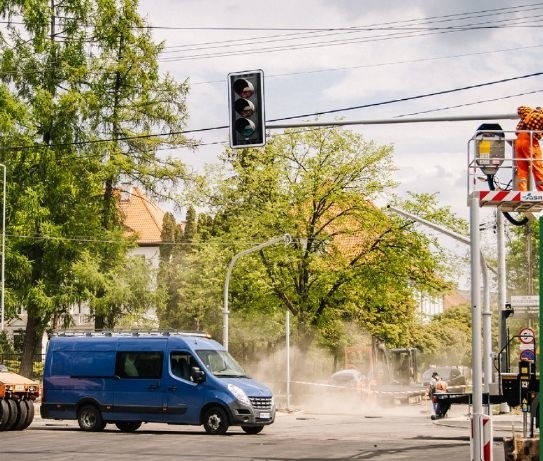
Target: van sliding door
{"x":138,"y":393}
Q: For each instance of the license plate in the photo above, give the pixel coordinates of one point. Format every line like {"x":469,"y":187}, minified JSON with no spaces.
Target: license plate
{"x":19,"y":387}
{"x":265,"y":415}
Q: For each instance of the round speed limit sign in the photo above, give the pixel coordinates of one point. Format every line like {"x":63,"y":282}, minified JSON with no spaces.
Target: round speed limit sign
{"x":527,"y":335}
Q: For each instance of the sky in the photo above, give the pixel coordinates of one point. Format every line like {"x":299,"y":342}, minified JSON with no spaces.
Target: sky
{"x":394,"y":50}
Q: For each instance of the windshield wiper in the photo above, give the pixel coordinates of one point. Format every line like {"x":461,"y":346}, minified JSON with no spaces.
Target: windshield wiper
{"x":230,"y":375}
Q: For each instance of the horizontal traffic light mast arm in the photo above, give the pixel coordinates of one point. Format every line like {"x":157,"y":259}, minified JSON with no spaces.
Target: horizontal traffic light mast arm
{"x":388,"y":121}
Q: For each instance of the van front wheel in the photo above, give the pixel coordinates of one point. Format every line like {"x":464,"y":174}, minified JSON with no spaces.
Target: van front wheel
{"x":215,"y":421}
{"x":90,"y":419}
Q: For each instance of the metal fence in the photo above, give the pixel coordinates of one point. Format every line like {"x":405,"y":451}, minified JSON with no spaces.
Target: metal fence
{"x":13,"y":362}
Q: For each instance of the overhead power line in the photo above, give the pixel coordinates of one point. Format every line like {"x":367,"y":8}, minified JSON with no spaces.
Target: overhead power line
{"x":430,"y":19}
{"x":339,"y":42}
{"x":413,"y":25}
{"x":408,"y":98}
{"x":308,"y":115}
{"x":381,"y":64}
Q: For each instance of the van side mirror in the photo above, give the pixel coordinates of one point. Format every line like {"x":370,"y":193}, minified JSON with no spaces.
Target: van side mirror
{"x":197,"y":375}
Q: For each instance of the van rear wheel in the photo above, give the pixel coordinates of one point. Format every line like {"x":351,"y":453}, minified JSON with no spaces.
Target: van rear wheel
{"x":128,"y":426}
{"x":215,"y":421}
{"x":90,"y":419}
{"x":253,"y":430}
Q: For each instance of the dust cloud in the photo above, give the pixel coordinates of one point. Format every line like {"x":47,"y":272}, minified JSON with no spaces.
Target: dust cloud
{"x":312,"y":391}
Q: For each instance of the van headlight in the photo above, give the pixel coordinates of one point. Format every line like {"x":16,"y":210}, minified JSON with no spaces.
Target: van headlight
{"x":239,"y":394}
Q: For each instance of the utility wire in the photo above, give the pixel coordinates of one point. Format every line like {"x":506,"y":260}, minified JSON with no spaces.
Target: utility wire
{"x":307,"y":72}
{"x":331,"y":32}
{"x":381,"y":64}
{"x":326,"y":43}
{"x":471,"y":103}
{"x":430,"y":19}
{"x":408,"y":98}
{"x":331,"y":111}
{"x":372,"y":27}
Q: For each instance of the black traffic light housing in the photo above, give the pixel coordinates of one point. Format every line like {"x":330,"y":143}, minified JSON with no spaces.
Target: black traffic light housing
{"x":507,"y":311}
{"x":246,"y":106}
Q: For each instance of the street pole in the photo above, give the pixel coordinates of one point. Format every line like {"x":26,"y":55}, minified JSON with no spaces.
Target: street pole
{"x":502,"y":293}
{"x":2,"y":295}
{"x":476,"y":369}
{"x":288,"y":357}
{"x":284,"y":238}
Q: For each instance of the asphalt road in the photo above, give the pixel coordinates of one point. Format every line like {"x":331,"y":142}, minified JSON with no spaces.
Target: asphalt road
{"x":399,"y":433}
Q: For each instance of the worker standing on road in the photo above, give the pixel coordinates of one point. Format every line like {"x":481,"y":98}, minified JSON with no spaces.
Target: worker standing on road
{"x":439,"y":406}
{"x":526,"y":148}
{"x":432,"y":389}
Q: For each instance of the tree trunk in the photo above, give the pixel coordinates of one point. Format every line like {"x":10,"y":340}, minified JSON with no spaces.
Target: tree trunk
{"x":306,"y":336}
{"x":29,"y":344}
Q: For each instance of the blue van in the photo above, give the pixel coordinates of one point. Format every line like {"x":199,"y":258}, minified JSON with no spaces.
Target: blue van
{"x":131,"y":378}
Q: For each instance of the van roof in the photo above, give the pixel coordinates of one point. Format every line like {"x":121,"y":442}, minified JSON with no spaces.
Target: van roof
{"x":75,"y":340}
{"x":127,"y":333}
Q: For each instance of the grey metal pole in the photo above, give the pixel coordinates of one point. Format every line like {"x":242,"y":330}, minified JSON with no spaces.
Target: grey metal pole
{"x":487,"y":329}
{"x":284,"y":238}
{"x":476,"y":371}
{"x":502,"y":293}
{"x":388,"y":121}
{"x":288,"y":358}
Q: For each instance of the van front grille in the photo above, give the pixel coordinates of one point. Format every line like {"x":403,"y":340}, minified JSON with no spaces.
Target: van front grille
{"x":261,"y":403}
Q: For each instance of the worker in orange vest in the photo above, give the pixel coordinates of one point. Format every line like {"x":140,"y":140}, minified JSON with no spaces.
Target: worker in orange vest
{"x":526,"y":148}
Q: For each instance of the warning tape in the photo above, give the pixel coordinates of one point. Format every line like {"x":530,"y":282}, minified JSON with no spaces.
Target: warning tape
{"x":412,"y":392}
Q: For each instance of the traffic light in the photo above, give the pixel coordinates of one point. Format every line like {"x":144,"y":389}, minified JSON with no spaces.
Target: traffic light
{"x":507,"y":311}
{"x":246,"y":105}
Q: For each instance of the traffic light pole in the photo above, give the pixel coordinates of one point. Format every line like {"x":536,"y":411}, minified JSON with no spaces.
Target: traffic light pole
{"x":284,"y":238}
{"x":476,"y":369}
{"x":389,"y":121}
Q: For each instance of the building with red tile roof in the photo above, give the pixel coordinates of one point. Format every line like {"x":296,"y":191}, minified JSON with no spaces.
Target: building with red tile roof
{"x":141,"y":217}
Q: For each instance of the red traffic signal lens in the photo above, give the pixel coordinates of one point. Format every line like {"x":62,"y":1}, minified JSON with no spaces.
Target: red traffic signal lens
{"x":243,"y":88}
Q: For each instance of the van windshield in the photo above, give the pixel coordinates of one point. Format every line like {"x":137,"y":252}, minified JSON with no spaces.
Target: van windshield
{"x":221,"y":364}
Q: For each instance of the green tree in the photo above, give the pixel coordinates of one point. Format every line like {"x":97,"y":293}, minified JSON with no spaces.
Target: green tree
{"x":523,"y":259}
{"x":188,"y":283}
{"x":446,"y":339}
{"x":129,"y":101}
{"x":127,"y":288}
{"x":82,"y":90}
{"x":348,"y":260}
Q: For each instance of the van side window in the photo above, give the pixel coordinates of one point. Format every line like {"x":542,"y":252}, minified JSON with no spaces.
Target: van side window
{"x":181,"y":364}
{"x":143,"y":365}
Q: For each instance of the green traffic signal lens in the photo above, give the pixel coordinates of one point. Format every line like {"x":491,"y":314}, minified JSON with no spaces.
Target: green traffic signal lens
{"x":245,"y":127}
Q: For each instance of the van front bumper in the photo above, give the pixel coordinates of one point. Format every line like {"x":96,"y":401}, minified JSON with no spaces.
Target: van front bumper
{"x":246,"y":416}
